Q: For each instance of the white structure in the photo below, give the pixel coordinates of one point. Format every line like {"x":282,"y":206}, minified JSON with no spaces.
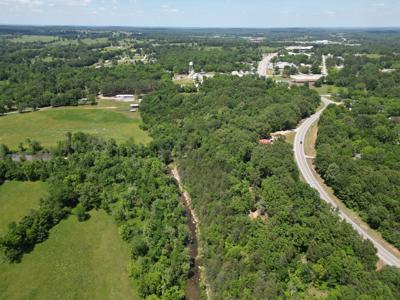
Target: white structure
{"x":124,"y":97}
{"x":302,"y":53}
{"x":299,"y":48}
{"x":191,"y":68}
{"x":283,"y":64}
{"x":197,"y":77}
{"x":134,"y":107}
{"x":306,"y":78}
{"x":236,"y":73}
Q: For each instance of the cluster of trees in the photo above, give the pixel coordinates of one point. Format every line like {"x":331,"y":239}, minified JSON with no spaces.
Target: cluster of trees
{"x":62,"y":75}
{"x":127,"y":181}
{"x":176,"y":59}
{"x":298,"y":246}
{"x":359,"y":156}
{"x":358,"y":144}
{"x":364,"y":76}
{"x":334,"y":61}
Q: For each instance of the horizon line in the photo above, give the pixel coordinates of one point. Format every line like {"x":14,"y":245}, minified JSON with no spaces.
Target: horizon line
{"x":200,"y":27}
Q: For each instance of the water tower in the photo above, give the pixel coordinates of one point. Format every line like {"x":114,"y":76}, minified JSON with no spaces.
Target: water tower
{"x":191,"y":68}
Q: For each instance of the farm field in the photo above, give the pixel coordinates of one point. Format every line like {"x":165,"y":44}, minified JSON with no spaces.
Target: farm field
{"x":17,"y":199}
{"x":108,"y":119}
{"x":85,"y":260}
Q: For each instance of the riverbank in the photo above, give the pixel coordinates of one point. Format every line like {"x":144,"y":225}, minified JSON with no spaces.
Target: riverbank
{"x":197,"y":275}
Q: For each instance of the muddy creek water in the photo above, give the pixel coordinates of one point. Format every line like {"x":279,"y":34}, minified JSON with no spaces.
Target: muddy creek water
{"x":192,"y":291}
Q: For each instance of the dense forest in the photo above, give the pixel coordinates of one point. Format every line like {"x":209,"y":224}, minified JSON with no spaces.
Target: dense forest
{"x":127,"y":181}
{"x":297,"y":247}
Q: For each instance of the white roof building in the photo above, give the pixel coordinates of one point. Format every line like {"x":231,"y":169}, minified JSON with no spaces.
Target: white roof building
{"x":237,"y":73}
{"x":124,"y":96}
{"x":283,"y":64}
{"x":306,"y":78}
{"x":303,"y":48}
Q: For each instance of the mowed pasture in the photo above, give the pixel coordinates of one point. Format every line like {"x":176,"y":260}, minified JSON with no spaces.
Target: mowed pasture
{"x":17,"y":199}
{"x":80,"y":260}
{"x":330,"y":89}
{"x":108,"y":119}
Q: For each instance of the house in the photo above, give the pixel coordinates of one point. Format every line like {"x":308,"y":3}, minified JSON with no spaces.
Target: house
{"x":265,"y":141}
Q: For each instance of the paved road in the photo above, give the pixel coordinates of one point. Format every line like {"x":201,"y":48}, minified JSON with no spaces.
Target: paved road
{"x":383,"y":253}
{"x":324,"y":68}
{"x":263,"y":65}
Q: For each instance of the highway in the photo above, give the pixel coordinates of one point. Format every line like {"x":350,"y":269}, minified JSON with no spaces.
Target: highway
{"x":324,"y":68}
{"x":264,"y":64}
{"x":382,"y":247}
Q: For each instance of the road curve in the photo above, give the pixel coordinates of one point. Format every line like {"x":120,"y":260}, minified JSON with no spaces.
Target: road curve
{"x":382,"y":250}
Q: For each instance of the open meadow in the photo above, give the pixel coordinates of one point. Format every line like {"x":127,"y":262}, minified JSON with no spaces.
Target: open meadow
{"x":330,"y":89}
{"x":85,"y":260}
{"x":17,"y":199}
{"x":108,"y":119}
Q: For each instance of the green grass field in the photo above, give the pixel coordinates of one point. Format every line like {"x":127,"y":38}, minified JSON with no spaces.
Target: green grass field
{"x":109,"y":119}
{"x":34,"y":38}
{"x":184,"y":82}
{"x":17,"y":199}
{"x":329,"y":89}
{"x":267,"y":49}
{"x":79,"y":261}
{"x":374,"y":56}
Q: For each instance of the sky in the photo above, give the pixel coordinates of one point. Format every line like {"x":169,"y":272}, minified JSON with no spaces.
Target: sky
{"x":203,"y":13}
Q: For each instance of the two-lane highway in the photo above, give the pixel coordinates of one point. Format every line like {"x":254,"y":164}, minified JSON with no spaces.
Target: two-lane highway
{"x":264,"y":64}
{"x":387,"y":256}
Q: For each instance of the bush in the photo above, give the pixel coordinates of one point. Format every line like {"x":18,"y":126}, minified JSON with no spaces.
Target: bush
{"x":80,"y":213}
